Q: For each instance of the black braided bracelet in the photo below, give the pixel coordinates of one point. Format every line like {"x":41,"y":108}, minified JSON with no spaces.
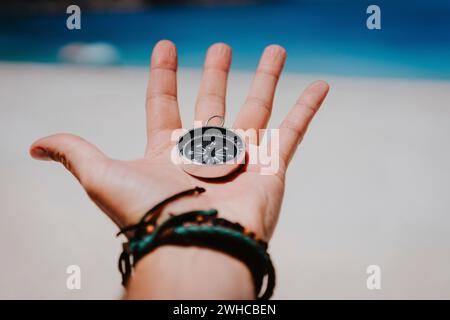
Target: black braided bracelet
{"x":149,"y":219}
{"x":204,"y":229}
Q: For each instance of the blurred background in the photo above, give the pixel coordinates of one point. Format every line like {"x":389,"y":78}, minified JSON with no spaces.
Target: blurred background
{"x":370,"y":183}
{"x":321,"y":36}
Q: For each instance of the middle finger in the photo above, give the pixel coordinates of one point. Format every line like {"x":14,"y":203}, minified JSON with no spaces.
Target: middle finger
{"x":213,"y":87}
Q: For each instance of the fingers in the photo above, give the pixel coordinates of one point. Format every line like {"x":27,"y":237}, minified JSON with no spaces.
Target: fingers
{"x":294,"y":126}
{"x":76,"y":154}
{"x":257,"y":108}
{"x":211,"y":98}
{"x":162,"y":107}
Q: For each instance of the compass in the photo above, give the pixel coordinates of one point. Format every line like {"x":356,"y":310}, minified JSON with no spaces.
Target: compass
{"x":211,"y":151}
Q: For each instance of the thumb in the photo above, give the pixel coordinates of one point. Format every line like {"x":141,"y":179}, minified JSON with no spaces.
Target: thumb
{"x":75,"y":153}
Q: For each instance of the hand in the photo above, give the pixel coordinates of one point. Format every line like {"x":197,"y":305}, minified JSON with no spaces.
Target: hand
{"x":125,"y":190}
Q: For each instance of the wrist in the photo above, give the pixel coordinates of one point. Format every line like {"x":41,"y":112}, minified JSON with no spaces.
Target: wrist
{"x":190,"y":273}
{"x":159,"y":257}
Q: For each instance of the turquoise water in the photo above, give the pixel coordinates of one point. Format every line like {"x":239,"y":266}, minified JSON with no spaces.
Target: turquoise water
{"x":320,"y":36}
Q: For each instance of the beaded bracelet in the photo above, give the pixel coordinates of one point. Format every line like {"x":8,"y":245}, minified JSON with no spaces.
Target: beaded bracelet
{"x":201,"y":228}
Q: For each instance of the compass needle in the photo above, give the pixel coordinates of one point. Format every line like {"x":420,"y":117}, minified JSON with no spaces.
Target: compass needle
{"x":211,"y":151}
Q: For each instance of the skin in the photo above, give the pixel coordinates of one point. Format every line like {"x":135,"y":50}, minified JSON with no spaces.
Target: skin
{"x":125,"y":190}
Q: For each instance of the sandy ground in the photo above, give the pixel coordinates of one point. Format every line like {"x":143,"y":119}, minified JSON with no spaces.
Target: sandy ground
{"x":370,"y":184}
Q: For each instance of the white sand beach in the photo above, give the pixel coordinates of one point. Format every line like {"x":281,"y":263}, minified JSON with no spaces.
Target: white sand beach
{"x":369,"y":185}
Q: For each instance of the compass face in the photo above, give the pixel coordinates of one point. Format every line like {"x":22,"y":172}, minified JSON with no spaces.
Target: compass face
{"x":211,"y":146}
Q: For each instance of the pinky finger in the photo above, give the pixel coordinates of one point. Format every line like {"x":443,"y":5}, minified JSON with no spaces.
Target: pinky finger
{"x":294,"y":126}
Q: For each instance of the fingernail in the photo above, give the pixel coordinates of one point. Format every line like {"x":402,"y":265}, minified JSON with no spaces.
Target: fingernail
{"x":40,"y":153}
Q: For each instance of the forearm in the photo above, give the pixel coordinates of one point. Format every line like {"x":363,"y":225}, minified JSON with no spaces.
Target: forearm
{"x":173,"y":272}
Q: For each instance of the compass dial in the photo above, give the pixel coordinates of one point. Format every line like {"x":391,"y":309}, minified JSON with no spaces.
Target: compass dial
{"x":211,"y":146}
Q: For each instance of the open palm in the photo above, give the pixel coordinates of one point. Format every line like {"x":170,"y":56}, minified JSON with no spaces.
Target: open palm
{"x":125,"y":190}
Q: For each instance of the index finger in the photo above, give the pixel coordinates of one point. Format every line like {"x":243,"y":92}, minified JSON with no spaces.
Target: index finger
{"x":162,"y":106}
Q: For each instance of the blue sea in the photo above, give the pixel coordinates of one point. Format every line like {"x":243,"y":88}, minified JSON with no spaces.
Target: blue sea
{"x":320,"y":36}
